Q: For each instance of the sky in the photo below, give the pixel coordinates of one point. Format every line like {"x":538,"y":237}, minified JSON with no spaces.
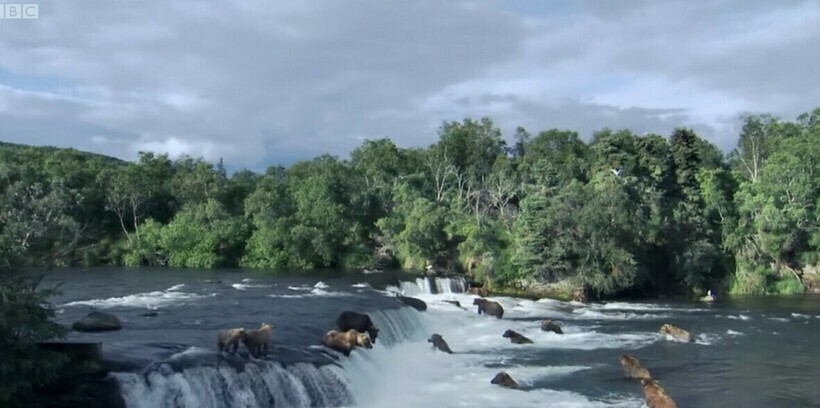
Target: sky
{"x":260,"y":82}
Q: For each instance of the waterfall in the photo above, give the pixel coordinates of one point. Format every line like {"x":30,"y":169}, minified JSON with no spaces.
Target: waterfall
{"x":203,"y":378}
{"x":256,"y":384}
{"x":431,"y":285}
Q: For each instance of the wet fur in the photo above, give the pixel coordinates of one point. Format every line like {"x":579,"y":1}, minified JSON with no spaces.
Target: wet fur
{"x":515,"y":337}
{"x":656,"y":396}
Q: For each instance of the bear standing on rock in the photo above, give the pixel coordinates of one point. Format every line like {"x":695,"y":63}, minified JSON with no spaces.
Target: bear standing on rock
{"x":345,"y":342}
{"x":348,"y":320}
{"x":257,"y":340}
{"x":228,"y":338}
{"x":489,"y":307}
{"x":516,"y":337}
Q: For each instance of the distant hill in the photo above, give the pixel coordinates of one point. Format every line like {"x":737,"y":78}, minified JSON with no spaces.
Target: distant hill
{"x":6,"y":148}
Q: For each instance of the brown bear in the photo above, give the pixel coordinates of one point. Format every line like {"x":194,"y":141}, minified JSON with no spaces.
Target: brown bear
{"x":656,"y":396}
{"x":345,"y":342}
{"x":348,"y":320}
{"x":257,"y":340}
{"x":489,"y":307}
{"x":228,"y":338}
{"x":579,"y":296}
{"x":633,"y":368}
{"x":677,"y":333}
{"x":549,"y":325}
{"x":482,"y":291}
{"x":516,"y":337}
{"x":439,"y":343}
{"x":503,"y":379}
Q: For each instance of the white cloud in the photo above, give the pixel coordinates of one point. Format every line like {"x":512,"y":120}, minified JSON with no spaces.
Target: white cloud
{"x":256,"y":81}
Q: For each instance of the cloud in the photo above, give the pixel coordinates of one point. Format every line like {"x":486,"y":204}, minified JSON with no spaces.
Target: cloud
{"x":257,"y":82}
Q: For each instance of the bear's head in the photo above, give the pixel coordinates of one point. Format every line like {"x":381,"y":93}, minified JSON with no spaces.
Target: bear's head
{"x":265,"y":327}
{"x":363,"y":340}
{"x":648,"y":382}
{"x":501,"y":378}
{"x":509,"y":333}
{"x":373,"y":332}
{"x":666,"y":328}
{"x":479,"y":301}
{"x":434,"y":338}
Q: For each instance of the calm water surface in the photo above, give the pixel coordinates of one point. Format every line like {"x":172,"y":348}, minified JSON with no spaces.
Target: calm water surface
{"x":749,"y":352}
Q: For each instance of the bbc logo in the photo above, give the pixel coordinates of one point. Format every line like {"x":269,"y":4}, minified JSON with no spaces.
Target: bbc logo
{"x":19,"y":11}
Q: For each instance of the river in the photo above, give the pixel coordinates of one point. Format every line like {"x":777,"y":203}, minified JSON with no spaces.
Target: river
{"x":752,"y":352}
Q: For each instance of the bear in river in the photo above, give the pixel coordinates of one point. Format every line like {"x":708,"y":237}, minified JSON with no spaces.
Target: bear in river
{"x":489,"y":307}
{"x":503,"y":379}
{"x":656,"y":396}
{"x":633,"y":368}
{"x":515,"y":337}
{"x":439,"y":343}
{"x":677,"y":333}
{"x":549,"y":325}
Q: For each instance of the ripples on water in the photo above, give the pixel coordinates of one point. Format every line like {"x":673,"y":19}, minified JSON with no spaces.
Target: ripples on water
{"x":748,"y":353}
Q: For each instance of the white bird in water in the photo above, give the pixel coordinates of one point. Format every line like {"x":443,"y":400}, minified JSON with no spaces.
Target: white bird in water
{"x":617,"y":172}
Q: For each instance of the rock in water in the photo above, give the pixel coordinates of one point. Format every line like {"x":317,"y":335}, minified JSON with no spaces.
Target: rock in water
{"x":97,"y":322}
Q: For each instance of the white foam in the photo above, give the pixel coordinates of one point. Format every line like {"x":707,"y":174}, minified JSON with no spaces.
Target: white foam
{"x":707,"y":339}
{"x":643,"y":307}
{"x":321,"y":285}
{"x":739,"y":317}
{"x":800,"y":316}
{"x":779,"y":319}
{"x":300,"y":288}
{"x":172,"y":295}
{"x":731,"y":332}
{"x":313,"y":293}
{"x":411,"y":374}
{"x":246,"y":286}
{"x":599,"y":315}
{"x":361,"y":285}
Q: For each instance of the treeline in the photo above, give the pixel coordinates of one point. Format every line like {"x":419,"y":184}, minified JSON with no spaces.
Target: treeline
{"x":621,"y":214}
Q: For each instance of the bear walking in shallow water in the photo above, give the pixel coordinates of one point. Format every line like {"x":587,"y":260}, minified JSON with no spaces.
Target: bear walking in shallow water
{"x":230,"y":338}
{"x":489,"y":307}
{"x":345,"y":342}
{"x":348,"y":320}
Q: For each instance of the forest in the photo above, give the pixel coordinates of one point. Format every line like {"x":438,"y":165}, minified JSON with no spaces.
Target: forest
{"x":621,"y":214}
